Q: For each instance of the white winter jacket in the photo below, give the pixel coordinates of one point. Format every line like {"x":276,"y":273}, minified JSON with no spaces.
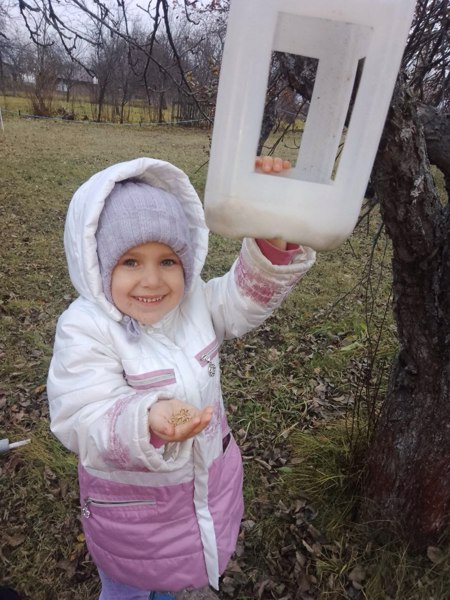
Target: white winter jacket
{"x":155,"y":518}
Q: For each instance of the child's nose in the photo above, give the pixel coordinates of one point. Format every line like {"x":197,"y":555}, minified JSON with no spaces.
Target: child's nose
{"x":151,"y":276}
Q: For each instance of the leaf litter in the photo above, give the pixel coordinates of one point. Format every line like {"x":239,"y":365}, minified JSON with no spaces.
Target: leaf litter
{"x":291,"y":375}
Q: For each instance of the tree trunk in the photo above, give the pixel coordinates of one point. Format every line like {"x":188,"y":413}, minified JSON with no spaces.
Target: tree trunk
{"x":408,"y":474}
{"x":267,"y":125}
{"x":436,"y":126}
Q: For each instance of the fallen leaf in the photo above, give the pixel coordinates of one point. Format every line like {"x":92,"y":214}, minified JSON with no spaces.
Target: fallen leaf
{"x":435,"y":554}
{"x":357,"y":574}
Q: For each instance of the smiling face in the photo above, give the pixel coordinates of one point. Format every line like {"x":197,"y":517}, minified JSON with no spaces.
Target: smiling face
{"x":148,"y":282}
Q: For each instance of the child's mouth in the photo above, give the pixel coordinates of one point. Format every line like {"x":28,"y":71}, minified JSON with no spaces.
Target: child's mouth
{"x":149,"y":300}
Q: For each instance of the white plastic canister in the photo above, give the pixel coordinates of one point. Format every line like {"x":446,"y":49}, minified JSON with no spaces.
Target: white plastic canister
{"x":311,"y":204}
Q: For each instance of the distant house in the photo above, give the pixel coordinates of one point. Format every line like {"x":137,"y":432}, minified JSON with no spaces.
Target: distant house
{"x":76,"y":86}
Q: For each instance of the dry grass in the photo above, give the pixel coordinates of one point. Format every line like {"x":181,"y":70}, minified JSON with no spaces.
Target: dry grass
{"x":299,"y":372}
{"x":83,"y":109}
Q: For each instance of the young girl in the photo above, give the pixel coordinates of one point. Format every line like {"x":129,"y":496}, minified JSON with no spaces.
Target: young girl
{"x":134,"y":383}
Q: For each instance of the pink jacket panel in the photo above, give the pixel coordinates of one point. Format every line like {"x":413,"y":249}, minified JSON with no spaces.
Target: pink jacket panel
{"x":152,"y":540}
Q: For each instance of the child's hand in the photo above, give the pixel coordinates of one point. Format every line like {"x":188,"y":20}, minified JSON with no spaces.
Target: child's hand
{"x":176,"y":421}
{"x":272,"y":164}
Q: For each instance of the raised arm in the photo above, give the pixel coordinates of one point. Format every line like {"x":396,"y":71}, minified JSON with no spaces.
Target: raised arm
{"x":256,"y":285}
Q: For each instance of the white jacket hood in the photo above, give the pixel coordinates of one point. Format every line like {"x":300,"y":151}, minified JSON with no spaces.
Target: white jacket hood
{"x":84,"y":213}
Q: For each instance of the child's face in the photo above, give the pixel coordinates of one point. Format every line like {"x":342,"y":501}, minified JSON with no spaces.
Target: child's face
{"x":148,"y":282}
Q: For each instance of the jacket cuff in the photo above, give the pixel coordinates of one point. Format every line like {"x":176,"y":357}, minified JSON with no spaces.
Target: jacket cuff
{"x":303,"y":260}
{"x":277,"y":256}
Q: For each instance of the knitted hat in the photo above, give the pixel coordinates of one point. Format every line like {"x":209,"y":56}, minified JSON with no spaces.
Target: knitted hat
{"x":136,"y":213}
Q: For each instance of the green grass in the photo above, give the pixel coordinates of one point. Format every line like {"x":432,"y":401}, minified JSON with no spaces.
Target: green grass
{"x":288,"y":387}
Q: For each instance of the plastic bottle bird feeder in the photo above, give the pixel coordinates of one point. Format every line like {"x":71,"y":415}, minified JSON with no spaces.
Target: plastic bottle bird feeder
{"x":318,"y":201}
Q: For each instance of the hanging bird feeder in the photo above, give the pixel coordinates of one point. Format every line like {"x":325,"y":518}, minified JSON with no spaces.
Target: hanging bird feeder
{"x":318,"y":201}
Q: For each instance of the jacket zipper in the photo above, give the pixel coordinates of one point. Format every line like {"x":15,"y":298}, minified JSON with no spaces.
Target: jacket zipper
{"x":86,"y":513}
{"x":211,"y":365}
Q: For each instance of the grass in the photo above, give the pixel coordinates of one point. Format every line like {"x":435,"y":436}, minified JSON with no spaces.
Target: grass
{"x":84,"y":109}
{"x":350,"y":560}
{"x":288,"y":386}
{"x":321,"y":472}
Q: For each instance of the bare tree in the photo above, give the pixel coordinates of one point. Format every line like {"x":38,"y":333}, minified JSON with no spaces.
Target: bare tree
{"x":102,"y":64}
{"x":43,"y":67}
{"x":427,"y":55}
{"x":200,"y":51}
{"x":5,"y":43}
{"x":73,"y":34}
{"x":408,"y":475}
{"x":408,"y":463}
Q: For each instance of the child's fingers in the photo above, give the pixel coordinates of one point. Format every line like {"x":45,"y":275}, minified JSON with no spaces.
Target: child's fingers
{"x":195,"y":425}
{"x":268,"y":164}
{"x":264,"y":163}
{"x":272,"y":164}
{"x":201,"y":422}
{"x":206,"y":417}
{"x":280,"y":165}
{"x":277,"y":165}
{"x":182,"y":424}
{"x":207,"y":413}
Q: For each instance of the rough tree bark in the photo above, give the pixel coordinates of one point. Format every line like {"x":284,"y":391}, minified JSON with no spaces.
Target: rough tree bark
{"x":408,"y":475}
{"x":436,"y":126}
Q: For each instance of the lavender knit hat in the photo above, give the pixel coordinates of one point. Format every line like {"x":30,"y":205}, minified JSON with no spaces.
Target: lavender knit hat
{"x":135,"y":213}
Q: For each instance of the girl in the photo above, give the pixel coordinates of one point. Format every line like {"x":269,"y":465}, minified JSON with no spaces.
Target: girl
{"x":134,"y":383}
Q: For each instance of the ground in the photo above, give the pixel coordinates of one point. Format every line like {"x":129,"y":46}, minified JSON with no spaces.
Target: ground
{"x":291,"y":388}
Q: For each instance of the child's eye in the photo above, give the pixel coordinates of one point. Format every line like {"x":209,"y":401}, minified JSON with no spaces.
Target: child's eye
{"x":168,"y":262}
{"x":129,"y":262}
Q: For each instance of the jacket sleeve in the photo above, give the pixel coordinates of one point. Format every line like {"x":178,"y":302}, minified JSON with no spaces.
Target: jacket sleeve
{"x":252,"y":289}
{"x":93,"y":411}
